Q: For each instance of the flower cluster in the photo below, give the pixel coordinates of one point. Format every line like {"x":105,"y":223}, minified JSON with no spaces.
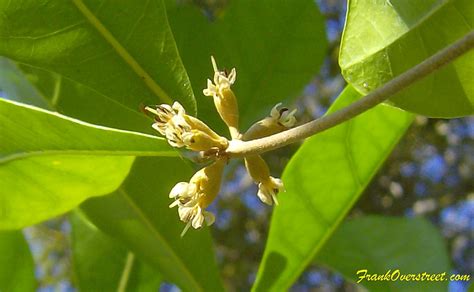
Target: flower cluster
{"x":182,"y":130}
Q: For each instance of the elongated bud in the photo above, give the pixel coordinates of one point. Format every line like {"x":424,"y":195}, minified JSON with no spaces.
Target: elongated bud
{"x":280,"y":119}
{"x":224,"y":98}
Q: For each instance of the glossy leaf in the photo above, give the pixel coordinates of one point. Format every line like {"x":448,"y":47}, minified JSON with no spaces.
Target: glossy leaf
{"x":319,"y":194}
{"x":113,"y":99}
{"x":102,"y":264}
{"x":78,"y":101}
{"x":382,"y":244}
{"x":383,"y":39}
{"x":16,"y":263}
{"x":27,"y":131}
{"x":138,"y":215}
{"x":50,"y":163}
{"x":275,"y":46}
{"x":125,"y":53}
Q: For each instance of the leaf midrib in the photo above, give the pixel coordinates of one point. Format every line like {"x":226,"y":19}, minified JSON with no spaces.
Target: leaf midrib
{"x":122,"y":52}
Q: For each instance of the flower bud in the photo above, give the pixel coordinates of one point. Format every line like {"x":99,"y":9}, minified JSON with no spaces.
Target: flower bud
{"x":224,"y":98}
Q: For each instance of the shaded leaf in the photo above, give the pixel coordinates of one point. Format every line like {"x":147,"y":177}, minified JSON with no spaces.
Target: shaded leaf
{"x":276,"y":47}
{"x":121,"y":271}
{"x":382,"y":244}
{"x":137,"y":214}
{"x":383,"y":39}
{"x":319,"y":194}
{"x":99,"y":45}
{"x":16,"y":263}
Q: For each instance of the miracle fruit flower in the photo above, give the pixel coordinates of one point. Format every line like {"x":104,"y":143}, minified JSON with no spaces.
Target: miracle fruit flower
{"x":282,"y":116}
{"x":192,"y":198}
{"x":182,"y":130}
{"x":280,"y":119}
{"x":268,"y":187}
{"x":224,"y":99}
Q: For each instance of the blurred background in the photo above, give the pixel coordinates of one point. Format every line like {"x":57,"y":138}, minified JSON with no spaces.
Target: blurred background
{"x":430,"y":173}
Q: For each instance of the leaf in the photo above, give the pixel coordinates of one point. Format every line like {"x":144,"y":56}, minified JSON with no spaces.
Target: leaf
{"x":383,"y":39}
{"x":121,"y":271}
{"x":383,"y":244}
{"x":75,"y":100}
{"x":29,"y":131}
{"x":275,"y":46}
{"x":125,"y":53}
{"x":16,"y":263}
{"x":138,"y":215}
{"x":318,"y":194}
{"x":50,"y":163}
{"x":112,"y":98}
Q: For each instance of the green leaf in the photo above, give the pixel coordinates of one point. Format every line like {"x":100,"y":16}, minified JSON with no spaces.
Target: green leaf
{"x":125,"y":53}
{"x":383,"y":39}
{"x":75,"y":100}
{"x":138,"y":215}
{"x":16,"y":263}
{"x":382,"y":244}
{"x":29,"y":131}
{"x":121,"y":271}
{"x":275,"y":46}
{"x":319,"y":194}
{"x":50,"y":163}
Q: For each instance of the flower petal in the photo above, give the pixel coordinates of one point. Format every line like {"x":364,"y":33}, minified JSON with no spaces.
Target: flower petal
{"x":179,"y":189}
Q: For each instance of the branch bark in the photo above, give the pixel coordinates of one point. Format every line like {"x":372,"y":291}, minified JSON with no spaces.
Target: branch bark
{"x":239,"y":148}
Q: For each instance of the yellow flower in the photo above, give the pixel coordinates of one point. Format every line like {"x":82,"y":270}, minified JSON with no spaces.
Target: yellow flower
{"x":224,"y":99}
{"x":182,"y":130}
{"x":194,"y":196}
{"x":268,"y":186}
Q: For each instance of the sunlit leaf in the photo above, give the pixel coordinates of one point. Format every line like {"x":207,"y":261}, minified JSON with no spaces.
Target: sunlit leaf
{"x":383,"y":39}
{"x":319,"y":194}
{"x":50,"y":163}
{"x":382,"y":244}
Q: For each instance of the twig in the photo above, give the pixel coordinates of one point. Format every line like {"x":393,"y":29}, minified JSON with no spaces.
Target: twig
{"x":239,"y":148}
